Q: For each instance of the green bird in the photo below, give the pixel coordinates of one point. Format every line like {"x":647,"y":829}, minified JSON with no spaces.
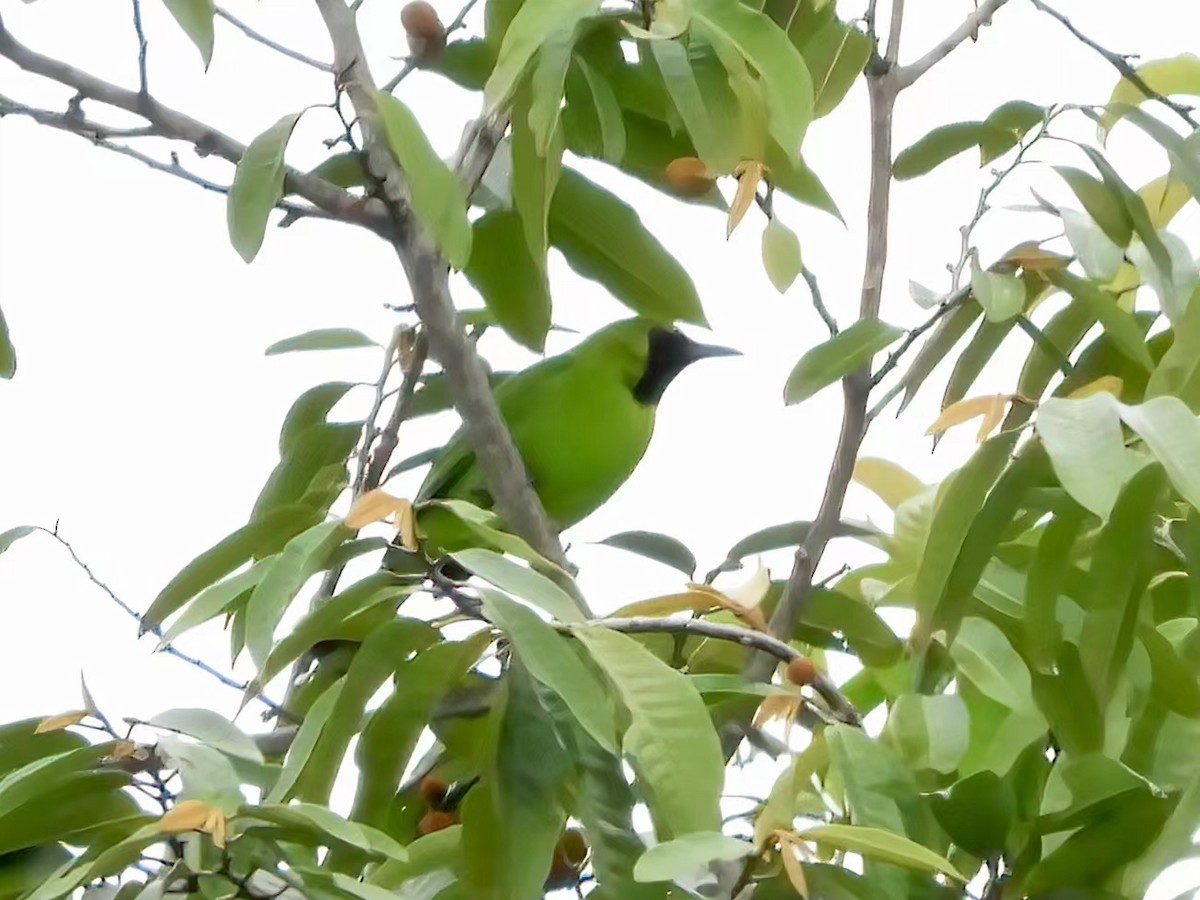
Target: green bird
{"x":581,"y":421}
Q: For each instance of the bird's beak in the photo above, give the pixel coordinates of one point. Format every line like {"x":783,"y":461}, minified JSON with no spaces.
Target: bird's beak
{"x":703,"y":351}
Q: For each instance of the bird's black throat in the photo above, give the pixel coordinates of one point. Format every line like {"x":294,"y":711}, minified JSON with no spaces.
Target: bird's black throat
{"x":669,"y":353}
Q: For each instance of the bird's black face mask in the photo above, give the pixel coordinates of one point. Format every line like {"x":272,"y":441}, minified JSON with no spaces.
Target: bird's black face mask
{"x":670,"y":352}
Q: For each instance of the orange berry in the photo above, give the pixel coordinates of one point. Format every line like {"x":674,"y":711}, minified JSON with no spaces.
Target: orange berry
{"x":801,"y":671}
{"x":433,"y":789}
{"x":425,"y":31}
{"x":689,"y":177}
{"x":435,"y":820}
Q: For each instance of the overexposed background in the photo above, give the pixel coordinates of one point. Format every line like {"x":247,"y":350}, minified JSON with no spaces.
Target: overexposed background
{"x":144,"y":415}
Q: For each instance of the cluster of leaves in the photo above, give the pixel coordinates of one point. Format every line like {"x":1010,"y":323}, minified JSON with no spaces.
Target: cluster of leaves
{"x":1040,"y":718}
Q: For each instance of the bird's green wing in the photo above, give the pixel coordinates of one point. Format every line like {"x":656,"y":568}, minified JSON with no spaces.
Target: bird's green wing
{"x":454,"y":473}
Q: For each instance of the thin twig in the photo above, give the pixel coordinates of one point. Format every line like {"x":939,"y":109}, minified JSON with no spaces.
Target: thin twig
{"x":390,"y":436}
{"x":143,"y":82}
{"x":267,"y":42}
{"x":99,"y":135}
{"x":780,"y":651}
{"x":906,"y":75}
{"x":951,"y":303}
{"x":156,"y":630}
{"x":207,"y":140}
{"x":893,"y":41}
{"x":1121,"y":64}
{"x":814,"y":289}
{"x":410,"y":63}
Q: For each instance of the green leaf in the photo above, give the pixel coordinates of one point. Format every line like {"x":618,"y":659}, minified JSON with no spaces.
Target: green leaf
{"x":12,"y":535}
{"x":1069,"y":703}
{"x":984,"y":655}
{"x":1172,"y":679}
{"x":1105,"y":207}
{"x":975,"y":356}
{"x":684,"y":856}
{"x":603,"y":239}
{"x":941,"y":144}
{"x":837,"y":357}
{"x":786,"y":84}
{"x":1118,"y":324}
{"x":836,"y":55}
{"x":305,"y":741}
{"x":868,"y":636}
{"x":546,"y":86}
{"x":214,"y":600}
{"x":322,"y":339}
{"x":551,"y":661}
{"x":85,"y":809}
{"x":533,"y":23}
{"x":23,"y":871}
{"x":1172,"y":433}
{"x":310,"y":474}
{"x":218,"y":561}
{"x":937,"y":348}
{"x":1014,"y":120}
{"x":1001,"y":296}
{"x":329,"y":825}
{"x":712,"y":145}
{"x":8,"y":353}
{"x":346,"y":170}
{"x":609,"y":117}
{"x":781,"y":254}
{"x":1135,"y":207}
{"x":1118,"y":580}
{"x":307,"y":410}
{"x":511,"y":283}
{"x":777,"y":537}
{"x":957,"y":507}
{"x":211,"y":729}
{"x":521,"y":582}
{"x":931,"y":732}
{"x":302,"y":557}
{"x":434,"y":192}
{"x":429,"y":853}
{"x":1087,"y":448}
{"x":378,"y":657}
{"x":207,"y":774}
{"x":1175,"y":75}
{"x":977,"y":813}
{"x":390,"y":736}
{"x":875,"y":843}
{"x":658,"y":547}
{"x":534,"y":178}
{"x":378,"y":592}
{"x":670,"y":738}
{"x":258,"y":186}
{"x":1047,"y":578}
{"x":1098,"y":255}
{"x":195,"y":17}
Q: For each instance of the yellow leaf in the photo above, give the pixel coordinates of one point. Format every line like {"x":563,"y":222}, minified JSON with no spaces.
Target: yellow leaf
{"x":406,"y":525}
{"x":749,"y":173}
{"x":751,"y":593}
{"x":667,"y":604}
{"x":374,"y":506}
{"x":993,"y":417}
{"x":61,"y":721}
{"x":1032,"y":258}
{"x":795,"y":871}
{"x":1104,"y":384}
{"x":187,"y":815}
{"x":747,"y":613}
{"x":778,"y":706}
{"x":1176,"y":75}
{"x":123,"y":750}
{"x":194,"y":815}
{"x":891,"y":483}
{"x":991,"y":407}
{"x":1164,"y":197}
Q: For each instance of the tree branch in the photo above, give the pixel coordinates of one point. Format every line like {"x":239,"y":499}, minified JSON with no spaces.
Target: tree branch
{"x":207,"y":140}
{"x":143,"y":82}
{"x":267,"y":42}
{"x":818,"y":302}
{"x":906,"y":75}
{"x":841,"y":707}
{"x":428,"y":278}
{"x":100,"y":135}
{"x":1121,"y":64}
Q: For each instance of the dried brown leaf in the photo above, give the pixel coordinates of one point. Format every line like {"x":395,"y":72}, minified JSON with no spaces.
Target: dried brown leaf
{"x":749,"y":173}
{"x":60,"y":721}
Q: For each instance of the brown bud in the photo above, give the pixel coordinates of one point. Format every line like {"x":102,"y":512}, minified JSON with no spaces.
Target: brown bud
{"x":425,"y":31}
{"x":689,"y":177}
{"x":433,"y":789}
{"x":435,"y":820}
{"x":801,"y":671}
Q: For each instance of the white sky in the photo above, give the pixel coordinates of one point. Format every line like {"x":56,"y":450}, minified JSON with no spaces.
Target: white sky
{"x":144,"y":416}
